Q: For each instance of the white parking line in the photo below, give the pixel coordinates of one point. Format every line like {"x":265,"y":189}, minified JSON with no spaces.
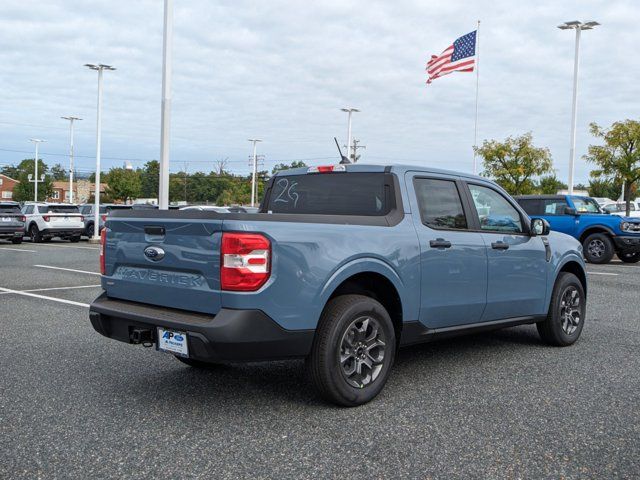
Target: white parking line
{"x":604,"y":273}
{"x":53,"y":288}
{"x":43,"y":297}
{"x":67,"y":269}
{"x":18,"y":249}
{"x":64,"y":246}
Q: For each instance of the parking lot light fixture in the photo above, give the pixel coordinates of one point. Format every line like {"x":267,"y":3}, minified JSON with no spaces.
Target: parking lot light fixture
{"x":37,"y":142}
{"x":578,"y":27}
{"x":96,"y":224}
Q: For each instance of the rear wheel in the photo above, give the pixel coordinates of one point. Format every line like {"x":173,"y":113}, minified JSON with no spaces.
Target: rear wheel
{"x":75,"y":239}
{"x":629,"y":257}
{"x":598,"y":248}
{"x":566,"y":316}
{"x":88,"y":231}
{"x":34,"y":233}
{"x":353,"y":350}
{"x":16,"y":240}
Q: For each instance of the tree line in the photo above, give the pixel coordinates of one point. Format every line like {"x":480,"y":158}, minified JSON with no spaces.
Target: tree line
{"x":522,"y":168}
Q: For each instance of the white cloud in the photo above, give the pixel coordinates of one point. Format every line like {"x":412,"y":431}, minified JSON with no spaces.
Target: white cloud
{"x":282,"y":70}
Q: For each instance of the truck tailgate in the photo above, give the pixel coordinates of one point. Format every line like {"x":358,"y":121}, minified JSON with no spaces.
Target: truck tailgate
{"x":188,"y":277}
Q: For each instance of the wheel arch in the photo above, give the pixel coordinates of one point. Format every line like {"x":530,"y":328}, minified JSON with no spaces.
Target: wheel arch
{"x":595,"y":229}
{"x":577,"y":269}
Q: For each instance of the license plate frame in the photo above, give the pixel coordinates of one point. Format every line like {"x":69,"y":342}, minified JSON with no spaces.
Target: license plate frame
{"x":172,"y":341}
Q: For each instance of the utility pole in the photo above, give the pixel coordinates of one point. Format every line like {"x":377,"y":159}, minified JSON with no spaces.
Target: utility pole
{"x":37,"y":142}
{"x":578,"y":27}
{"x":96,"y":214}
{"x":349,"y":111}
{"x":71,"y":120}
{"x":254,"y":170}
{"x":355,"y":149}
{"x":165,"y":119}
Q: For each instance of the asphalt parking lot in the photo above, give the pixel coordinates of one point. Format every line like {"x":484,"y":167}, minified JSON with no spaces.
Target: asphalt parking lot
{"x":74,"y":404}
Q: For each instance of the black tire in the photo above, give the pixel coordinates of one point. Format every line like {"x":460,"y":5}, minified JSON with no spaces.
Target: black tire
{"x":598,"y":248}
{"x":342,"y":317}
{"x":34,"y":233}
{"x":196,"y":363}
{"x":16,"y":240}
{"x":629,"y":257}
{"x":88,"y":230}
{"x":75,"y":239}
{"x":565,"y":321}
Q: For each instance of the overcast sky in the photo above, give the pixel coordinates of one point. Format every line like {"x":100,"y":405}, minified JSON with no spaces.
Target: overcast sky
{"x":281,"y":71}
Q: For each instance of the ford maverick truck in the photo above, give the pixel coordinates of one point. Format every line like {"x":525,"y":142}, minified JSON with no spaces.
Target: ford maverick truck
{"x":341,"y":266}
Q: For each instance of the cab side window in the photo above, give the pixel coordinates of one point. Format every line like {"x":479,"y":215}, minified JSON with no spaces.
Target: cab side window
{"x":440,"y":204}
{"x":554,"y":206}
{"x":495,"y":213}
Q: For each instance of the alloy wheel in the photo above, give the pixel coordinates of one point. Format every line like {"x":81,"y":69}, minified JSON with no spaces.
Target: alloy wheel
{"x":362,"y":352}
{"x":570,"y":310}
{"x":596,"y":248}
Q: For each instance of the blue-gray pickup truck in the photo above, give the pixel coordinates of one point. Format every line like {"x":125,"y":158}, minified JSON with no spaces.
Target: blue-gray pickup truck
{"x":341,"y":266}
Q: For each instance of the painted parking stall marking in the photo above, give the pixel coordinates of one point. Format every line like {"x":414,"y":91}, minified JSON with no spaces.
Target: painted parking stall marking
{"x":67,"y":269}
{"x":43,"y":297}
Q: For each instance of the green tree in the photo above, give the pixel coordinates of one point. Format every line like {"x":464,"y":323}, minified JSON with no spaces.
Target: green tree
{"x":550,"y":185}
{"x":515,"y":163}
{"x":284,"y":166}
{"x":150,"y":178}
{"x":619,"y":157}
{"x":24,"y":191}
{"x":605,"y":187}
{"x":123,"y":184}
{"x":58,"y":172}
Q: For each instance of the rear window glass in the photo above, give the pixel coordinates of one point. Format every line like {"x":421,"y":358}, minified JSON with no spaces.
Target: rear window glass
{"x":58,"y":209}
{"x":368,"y":194}
{"x":13,"y":209}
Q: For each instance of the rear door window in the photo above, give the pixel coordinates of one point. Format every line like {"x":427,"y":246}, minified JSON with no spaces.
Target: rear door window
{"x":359,"y":193}
{"x":531,"y":205}
{"x":440,"y":204}
{"x":554,"y":206}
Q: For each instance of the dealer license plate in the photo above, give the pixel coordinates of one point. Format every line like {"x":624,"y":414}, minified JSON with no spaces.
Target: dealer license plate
{"x":172,"y":341}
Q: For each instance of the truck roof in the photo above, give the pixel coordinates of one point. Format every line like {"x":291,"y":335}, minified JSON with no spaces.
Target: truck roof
{"x":395,"y":168}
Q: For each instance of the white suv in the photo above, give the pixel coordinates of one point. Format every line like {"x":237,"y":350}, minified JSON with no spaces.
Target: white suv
{"x":47,"y":220}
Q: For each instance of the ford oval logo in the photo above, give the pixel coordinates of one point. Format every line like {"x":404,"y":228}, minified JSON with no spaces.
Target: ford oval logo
{"x":154,"y":253}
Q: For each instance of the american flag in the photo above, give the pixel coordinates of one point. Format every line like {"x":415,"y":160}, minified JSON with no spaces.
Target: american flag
{"x":459,"y":57}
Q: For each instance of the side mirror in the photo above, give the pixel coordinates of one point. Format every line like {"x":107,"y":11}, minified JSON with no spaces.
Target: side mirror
{"x":539,"y":226}
{"x":570,"y":211}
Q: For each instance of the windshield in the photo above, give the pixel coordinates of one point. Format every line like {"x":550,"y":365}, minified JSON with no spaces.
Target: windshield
{"x":330,"y":194}
{"x":58,"y":209}
{"x":586,"y":205}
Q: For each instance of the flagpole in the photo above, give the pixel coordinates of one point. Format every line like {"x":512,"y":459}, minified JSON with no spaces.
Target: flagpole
{"x":475,"y":133}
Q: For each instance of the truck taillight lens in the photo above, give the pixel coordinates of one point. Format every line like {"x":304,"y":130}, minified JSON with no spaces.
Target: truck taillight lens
{"x":245,"y":264}
{"x":103,"y":243}
{"x":46,"y":218}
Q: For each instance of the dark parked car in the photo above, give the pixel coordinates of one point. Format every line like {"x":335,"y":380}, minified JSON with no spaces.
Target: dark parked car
{"x":11,"y":221}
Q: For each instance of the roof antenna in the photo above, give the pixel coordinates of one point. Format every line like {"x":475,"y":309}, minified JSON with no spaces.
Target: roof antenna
{"x":344,"y":160}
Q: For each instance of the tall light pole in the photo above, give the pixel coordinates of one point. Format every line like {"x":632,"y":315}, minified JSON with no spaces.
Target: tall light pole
{"x":578,"y":27}
{"x":96,"y":214}
{"x":71,"y":120}
{"x":254,"y":170}
{"x":349,"y":111}
{"x":165,"y":117}
{"x":37,"y":142}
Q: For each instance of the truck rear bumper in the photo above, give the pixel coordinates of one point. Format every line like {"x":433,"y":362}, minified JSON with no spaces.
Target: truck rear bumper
{"x":231,"y":335}
{"x":627,"y":244}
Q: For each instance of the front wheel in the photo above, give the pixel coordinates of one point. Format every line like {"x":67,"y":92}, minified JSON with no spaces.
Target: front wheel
{"x":598,"y":248}
{"x":353,"y":350}
{"x":74,"y":239}
{"x":629,"y":257}
{"x":566,"y":316}
{"x":16,"y":240}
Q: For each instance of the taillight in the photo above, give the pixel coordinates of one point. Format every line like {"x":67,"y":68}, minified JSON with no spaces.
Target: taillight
{"x":327,"y":169}
{"x":104,"y":218}
{"x":81,"y":218}
{"x":23,"y":218}
{"x":46,"y":218}
{"x":103,"y":242}
{"x":245,"y":261}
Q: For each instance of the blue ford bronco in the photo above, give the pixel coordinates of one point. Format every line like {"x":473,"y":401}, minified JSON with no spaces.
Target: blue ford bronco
{"x":341,"y":266}
{"x":602,"y":235}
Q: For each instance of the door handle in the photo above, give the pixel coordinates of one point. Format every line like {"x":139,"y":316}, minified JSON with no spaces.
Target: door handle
{"x":439,"y":243}
{"x":500,"y":246}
